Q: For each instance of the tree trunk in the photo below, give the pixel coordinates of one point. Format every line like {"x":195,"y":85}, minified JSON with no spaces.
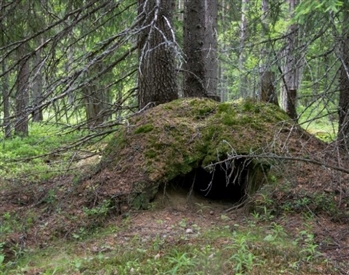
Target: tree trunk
{"x":5,"y":90}
{"x":6,"y":102}
{"x":267,"y":77}
{"x":200,"y":49}
{"x":210,"y":49}
{"x":95,"y":98}
{"x":222,"y":88}
{"x":22,"y":94}
{"x":94,"y":105}
{"x":242,"y":57}
{"x":291,"y":68}
{"x":37,"y":93}
{"x":157,"y":80}
{"x":268,"y":91}
{"x":343,"y":106}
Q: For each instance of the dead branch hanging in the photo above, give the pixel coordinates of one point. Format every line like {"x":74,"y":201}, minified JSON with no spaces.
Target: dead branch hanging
{"x":279,"y":157}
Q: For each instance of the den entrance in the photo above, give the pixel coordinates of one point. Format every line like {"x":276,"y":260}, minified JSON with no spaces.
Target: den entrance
{"x":228,"y":181}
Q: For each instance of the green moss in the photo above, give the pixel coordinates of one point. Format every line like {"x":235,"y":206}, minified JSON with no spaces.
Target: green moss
{"x":144,"y":129}
{"x":202,"y":108}
{"x":224,"y":107}
{"x":151,"y":154}
{"x":249,"y":105}
{"x":118,"y":141}
{"x":176,"y":169}
{"x":187,"y":133}
{"x":159,"y":146}
{"x":204,"y":111}
{"x":228,"y":119}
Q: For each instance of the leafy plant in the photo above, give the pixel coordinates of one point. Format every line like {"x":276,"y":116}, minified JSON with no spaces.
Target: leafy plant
{"x":179,"y":260}
{"x":2,"y":257}
{"x":100,"y":210}
{"x":309,"y":247}
{"x":243,"y":257}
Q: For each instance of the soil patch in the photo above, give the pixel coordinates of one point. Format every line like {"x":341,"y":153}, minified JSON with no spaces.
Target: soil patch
{"x":193,"y":158}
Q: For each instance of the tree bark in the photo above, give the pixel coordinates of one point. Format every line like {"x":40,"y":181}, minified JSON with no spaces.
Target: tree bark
{"x":157,"y":81}
{"x":268,"y":91}
{"x":242,"y":56}
{"x":22,"y":94}
{"x":343,"y":106}
{"x":5,"y":90}
{"x":267,"y":77}
{"x":200,"y":49}
{"x":222,"y":88}
{"x":37,"y":93}
{"x":95,"y":98}
{"x":291,"y":68}
{"x":6,"y":102}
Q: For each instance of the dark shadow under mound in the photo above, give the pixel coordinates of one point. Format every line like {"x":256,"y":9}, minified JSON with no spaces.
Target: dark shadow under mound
{"x":230,"y":181}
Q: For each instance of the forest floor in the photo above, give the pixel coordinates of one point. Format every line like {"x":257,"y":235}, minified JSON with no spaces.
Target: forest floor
{"x":72,"y":223}
{"x":42,"y":229}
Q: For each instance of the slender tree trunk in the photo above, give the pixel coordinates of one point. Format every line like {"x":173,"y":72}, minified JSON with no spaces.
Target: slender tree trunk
{"x":180,"y":10}
{"x":95,"y":102}
{"x":268,"y":91}
{"x":70,"y":54}
{"x":210,"y":51}
{"x":94,"y":105}
{"x":5,"y":90}
{"x":22,"y":94}
{"x":267,"y":77}
{"x":6,"y":101}
{"x":242,"y":57}
{"x":157,"y":79}
{"x":200,"y":49}
{"x":179,"y":19}
{"x":291,"y":69}
{"x":343,"y":106}
{"x":193,"y":43}
{"x":222,"y":83}
{"x":37,"y":94}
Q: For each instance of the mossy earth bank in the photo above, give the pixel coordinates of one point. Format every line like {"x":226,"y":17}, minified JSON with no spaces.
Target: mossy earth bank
{"x":173,"y":139}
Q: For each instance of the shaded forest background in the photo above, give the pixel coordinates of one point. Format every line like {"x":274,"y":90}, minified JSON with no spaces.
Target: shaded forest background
{"x":78,"y":83}
{"x":87,"y":65}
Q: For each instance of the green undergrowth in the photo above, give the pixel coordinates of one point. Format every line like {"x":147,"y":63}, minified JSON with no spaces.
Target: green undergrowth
{"x":252,"y":246}
{"x":283,"y":200}
{"x":39,"y":156}
{"x":319,"y":120}
{"x":260,"y":244}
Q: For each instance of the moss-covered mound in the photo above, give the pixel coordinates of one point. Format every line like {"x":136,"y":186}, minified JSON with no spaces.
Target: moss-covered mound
{"x":199,"y":140}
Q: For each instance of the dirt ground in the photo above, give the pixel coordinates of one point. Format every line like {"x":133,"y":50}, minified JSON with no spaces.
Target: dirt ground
{"x":310,"y":178}
{"x":172,"y":207}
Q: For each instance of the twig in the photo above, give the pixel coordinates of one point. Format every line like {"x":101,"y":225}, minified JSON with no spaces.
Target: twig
{"x":287,"y":158}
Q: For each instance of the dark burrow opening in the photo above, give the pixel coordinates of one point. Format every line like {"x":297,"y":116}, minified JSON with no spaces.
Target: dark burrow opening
{"x":230,"y":180}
